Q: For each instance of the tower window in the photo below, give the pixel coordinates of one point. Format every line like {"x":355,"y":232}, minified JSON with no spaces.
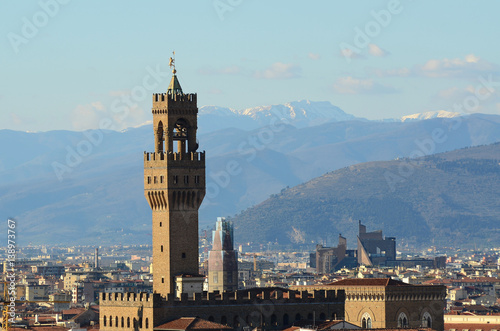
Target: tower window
{"x":162,"y":280}
{"x":161,"y":179}
{"x":183,"y":255}
{"x":149,"y":179}
{"x":161,"y":248}
{"x":197,"y":179}
{"x":160,"y":224}
{"x":156,"y":180}
{"x":186,"y":179}
{"x":176,"y":179}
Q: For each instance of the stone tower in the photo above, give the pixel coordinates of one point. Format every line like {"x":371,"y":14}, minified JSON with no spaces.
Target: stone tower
{"x":174,"y":186}
{"x":222,"y":259}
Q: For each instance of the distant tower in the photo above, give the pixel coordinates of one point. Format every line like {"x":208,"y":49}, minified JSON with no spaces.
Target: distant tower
{"x":222,"y":259}
{"x":96,"y":258}
{"x":174,"y":186}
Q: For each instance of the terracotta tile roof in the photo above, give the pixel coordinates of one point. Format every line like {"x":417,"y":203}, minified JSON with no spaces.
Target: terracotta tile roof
{"x":328,"y":325}
{"x":192,"y":323}
{"x":470,"y":326}
{"x":73,"y":311}
{"x":369,"y":282}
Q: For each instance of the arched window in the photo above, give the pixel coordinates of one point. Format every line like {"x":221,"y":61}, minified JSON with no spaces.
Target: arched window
{"x":402,"y":320}
{"x":110,"y":321}
{"x":236,"y":321}
{"x":297,"y":317}
{"x":123,"y":322}
{"x":116,"y":321}
{"x":322,"y":316}
{"x":310,"y":316}
{"x":128,"y":322}
{"x":211,"y":318}
{"x":426,"y":320}
{"x":223,"y":320}
{"x":147,"y":323}
{"x":104,"y":321}
{"x":134,"y":323}
{"x":366,"y":321}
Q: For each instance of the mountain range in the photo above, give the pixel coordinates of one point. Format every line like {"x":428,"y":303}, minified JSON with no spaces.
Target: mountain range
{"x":87,"y":187}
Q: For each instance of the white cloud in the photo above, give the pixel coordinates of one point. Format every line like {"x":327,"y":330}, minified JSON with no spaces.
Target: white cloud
{"x":350,"y":85}
{"x":86,"y":117}
{"x":98,"y":105}
{"x":279,"y":70}
{"x":470,"y":66}
{"x":90,"y":116}
{"x":377,"y":51}
{"x":314,"y":56}
{"x":468,"y":99}
{"x":16,"y":119}
{"x":350,"y":54}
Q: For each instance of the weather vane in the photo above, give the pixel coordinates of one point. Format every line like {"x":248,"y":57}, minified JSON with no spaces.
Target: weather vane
{"x":171,"y":63}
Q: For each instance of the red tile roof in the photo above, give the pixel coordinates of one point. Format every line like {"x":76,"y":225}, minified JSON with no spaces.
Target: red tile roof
{"x":192,"y":323}
{"x":73,"y":311}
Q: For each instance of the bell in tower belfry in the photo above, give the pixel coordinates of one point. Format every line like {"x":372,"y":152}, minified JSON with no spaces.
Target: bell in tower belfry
{"x":174,"y":186}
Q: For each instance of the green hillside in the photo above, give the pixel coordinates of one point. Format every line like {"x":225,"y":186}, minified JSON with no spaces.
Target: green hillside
{"x":449,"y":199}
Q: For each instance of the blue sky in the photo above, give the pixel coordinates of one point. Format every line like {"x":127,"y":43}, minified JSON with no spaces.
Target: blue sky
{"x":68,"y":64}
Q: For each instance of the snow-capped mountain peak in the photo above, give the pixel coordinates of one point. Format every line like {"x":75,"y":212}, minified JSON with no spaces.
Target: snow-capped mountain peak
{"x":429,"y":115}
{"x":299,"y":113}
